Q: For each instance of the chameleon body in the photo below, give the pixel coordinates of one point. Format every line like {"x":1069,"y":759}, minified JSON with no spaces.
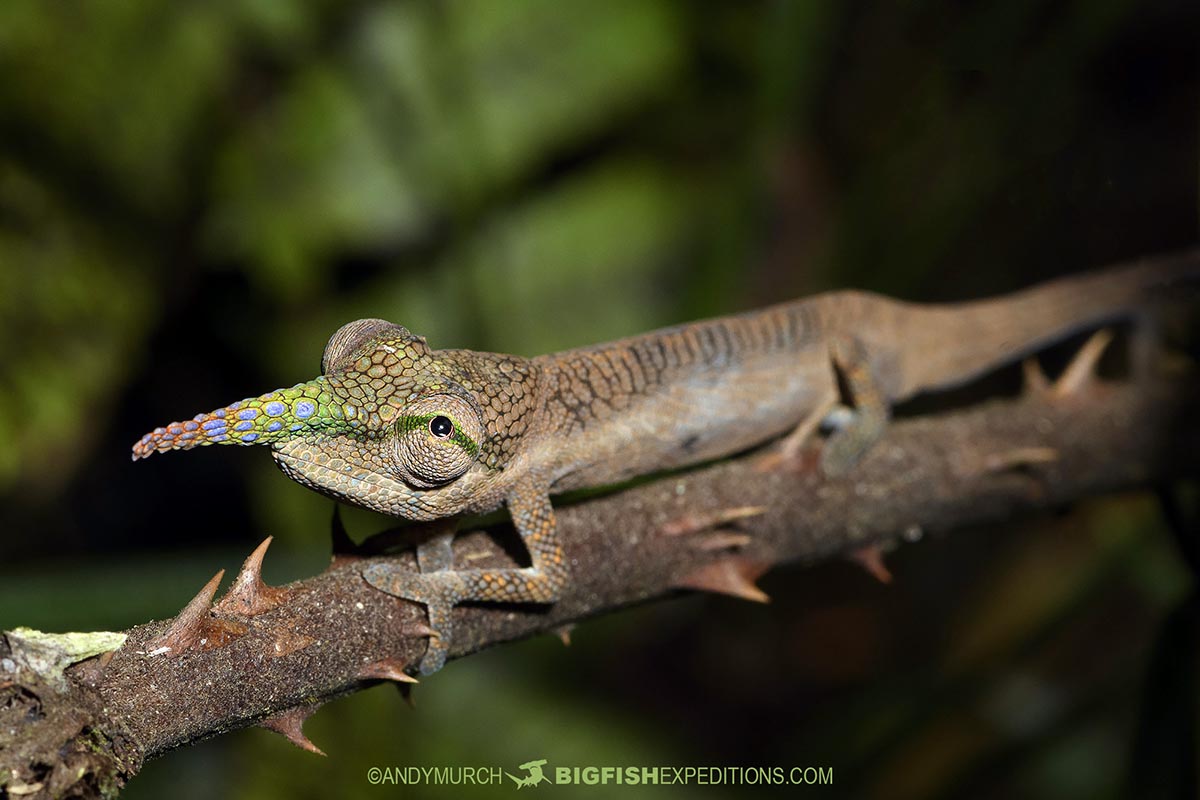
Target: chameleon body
{"x":399,"y":428}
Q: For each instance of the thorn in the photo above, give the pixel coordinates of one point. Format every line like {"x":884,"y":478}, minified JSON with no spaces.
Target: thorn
{"x":344,"y":550}
{"x":1082,"y":369}
{"x":563,"y":632}
{"x":1036,"y":381}
{"x":387,"y":669}
{"x":870,"y":558}
{"x":249,"y":595}
{"x":694,"y":523}
{"x":723,"y":540}
{"x":732,"y":575}
{"x":290,"y":724}
{"x":1019,"y":457}
{"x":195,"y":628}
{"x":198,"y":606}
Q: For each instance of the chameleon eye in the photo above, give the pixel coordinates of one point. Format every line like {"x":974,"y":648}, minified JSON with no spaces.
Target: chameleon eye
{"x":441,"y":426}
{"x":437,"y":440}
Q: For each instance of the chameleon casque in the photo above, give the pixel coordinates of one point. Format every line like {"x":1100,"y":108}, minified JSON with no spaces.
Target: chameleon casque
{"x":399,"y":428}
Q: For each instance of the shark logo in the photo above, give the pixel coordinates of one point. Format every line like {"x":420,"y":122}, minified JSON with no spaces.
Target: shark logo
{"x":535,"y":776}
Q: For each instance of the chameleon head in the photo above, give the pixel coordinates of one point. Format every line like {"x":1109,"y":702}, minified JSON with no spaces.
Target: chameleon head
{"x":384,"y":427}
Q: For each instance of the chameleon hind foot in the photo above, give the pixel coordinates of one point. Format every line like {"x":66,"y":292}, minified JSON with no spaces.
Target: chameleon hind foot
{"x":436,"y":586}
{"x":853,"y":430}
{"x":789,"y":454}
{"x":855,"y":435}
{"x":847,"y":444}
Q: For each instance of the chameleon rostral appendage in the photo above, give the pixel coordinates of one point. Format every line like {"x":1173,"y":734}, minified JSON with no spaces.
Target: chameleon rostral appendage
{"x":270,"y":418}
{"x":423,"y":434}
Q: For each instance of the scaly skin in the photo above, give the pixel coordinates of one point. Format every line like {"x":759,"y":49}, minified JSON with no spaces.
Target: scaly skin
{"x":423,"y":434}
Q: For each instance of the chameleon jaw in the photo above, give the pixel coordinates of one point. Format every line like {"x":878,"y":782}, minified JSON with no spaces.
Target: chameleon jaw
{"x":363,"y":478}
{"x":354,"y":484}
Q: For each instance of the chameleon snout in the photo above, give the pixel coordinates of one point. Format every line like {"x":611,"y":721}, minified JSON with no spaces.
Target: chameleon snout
{"x":272,"y":417}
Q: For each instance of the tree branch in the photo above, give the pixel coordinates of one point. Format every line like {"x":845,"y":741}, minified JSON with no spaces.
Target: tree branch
{"x":271,"y":656}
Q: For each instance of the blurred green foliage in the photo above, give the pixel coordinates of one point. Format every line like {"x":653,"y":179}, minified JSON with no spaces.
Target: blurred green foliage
{"x":194,"y":195}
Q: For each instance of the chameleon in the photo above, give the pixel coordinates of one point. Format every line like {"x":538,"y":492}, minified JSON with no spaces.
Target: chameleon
{"x":399,"y":428}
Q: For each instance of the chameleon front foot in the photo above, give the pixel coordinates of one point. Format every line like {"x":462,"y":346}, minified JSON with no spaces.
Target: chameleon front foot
{"x":437,"y":591}
{"x":440,"y":587}
{"x":437,"y":586}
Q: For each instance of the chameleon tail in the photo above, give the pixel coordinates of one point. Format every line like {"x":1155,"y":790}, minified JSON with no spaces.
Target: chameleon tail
{"x":950,"y":345}
{"x":272,"y":417}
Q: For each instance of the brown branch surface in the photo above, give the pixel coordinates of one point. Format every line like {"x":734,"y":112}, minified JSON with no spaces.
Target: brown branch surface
{"x":272,"y":656}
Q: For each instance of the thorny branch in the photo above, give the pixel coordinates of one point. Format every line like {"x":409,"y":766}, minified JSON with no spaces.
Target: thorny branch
{"x":272,"y":655}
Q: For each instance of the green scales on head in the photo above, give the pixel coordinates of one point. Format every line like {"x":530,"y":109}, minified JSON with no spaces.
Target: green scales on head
{"x":387,"y":427}
{"x":272,"y":417}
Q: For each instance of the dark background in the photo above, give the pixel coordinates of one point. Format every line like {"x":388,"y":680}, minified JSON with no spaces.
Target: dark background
{"x":194,"y":195}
